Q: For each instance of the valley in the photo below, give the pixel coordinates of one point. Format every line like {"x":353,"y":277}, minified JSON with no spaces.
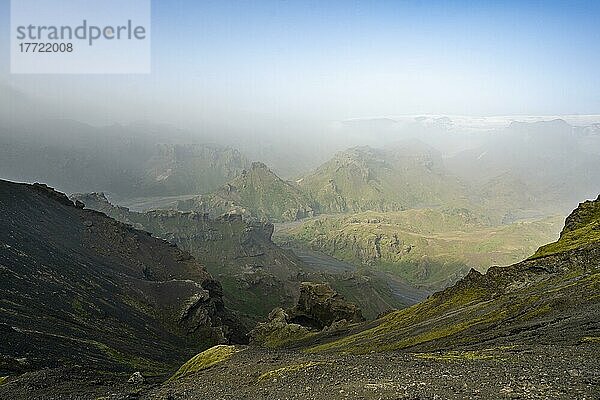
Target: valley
{"x":502,"y":334}
{"x":311,"y":200}
{"x":385,"y":272}
{"x":427,"y":247}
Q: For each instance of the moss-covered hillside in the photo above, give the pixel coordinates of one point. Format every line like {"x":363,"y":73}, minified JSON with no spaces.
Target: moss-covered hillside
{"x":582,"y":228}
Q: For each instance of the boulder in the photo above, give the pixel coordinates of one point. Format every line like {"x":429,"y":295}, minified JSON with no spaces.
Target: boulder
{"x":136,"y":378}
{"x":277,"y":331}
{"x":319,"y":306}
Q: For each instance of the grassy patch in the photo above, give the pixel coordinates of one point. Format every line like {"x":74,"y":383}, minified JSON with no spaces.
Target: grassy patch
{"x":572,"y":240}
{"x":591,"y":339}
{"x":206,"y":359}
{"x":3,"y":379}
{"x":131,"y":361}
{"x":582,"y":228}
{"x":429,"y":321}
{"x":485,"y":354}
{"x":276,"y":373}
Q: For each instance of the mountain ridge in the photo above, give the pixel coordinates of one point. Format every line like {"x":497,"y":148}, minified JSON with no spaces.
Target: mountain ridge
{"x":79,"y":287}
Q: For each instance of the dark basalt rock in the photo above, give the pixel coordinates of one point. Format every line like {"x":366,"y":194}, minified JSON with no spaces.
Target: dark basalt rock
{"x":319,"y":306}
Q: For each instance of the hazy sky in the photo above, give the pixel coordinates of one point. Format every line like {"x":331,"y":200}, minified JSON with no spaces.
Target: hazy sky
{"x":254,"y":63}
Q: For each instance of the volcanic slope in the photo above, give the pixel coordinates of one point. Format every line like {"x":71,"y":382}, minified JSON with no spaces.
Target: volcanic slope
{"x":80,"y":288}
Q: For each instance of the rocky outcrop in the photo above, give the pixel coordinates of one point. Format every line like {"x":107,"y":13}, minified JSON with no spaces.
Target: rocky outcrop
{"x":257,"y":193}
{"x":320,"y":306}
{"x":190,"y":169}
{"x":587,"y":212}
{"x":277,"y":331}
{"x":582,"y":229}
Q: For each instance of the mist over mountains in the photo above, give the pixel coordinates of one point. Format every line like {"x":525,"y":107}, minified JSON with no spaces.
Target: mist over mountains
{"x":394,"y":235}
{"x":556,"y":159}
{"x":301,"y":200}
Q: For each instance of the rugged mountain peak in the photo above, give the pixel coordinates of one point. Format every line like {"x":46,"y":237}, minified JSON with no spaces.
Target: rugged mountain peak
{"x":50,"y":193}
{"x":405,"y":175}
{"x":582,"y":229}
{"x":191,"y":168}
{"x":319,"y":308}
{"x":259,"y":165}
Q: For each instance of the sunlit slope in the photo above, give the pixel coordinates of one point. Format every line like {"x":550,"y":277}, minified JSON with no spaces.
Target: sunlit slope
{"x":582,"y":228}
{"x":399,"y":177}
{"x":551,"y":299}
{"x":432,"y":247}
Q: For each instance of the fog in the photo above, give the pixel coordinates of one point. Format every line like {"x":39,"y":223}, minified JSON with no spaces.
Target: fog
{"x":494,"y":90}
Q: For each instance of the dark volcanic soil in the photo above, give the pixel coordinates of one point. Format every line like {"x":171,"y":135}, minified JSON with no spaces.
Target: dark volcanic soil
{"x":540,"y":372}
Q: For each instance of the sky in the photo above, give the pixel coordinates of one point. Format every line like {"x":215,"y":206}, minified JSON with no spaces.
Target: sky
{"x":252,"y":65}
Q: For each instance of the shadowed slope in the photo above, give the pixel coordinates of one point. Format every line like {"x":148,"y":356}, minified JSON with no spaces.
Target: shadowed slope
{"x":78,"y":287}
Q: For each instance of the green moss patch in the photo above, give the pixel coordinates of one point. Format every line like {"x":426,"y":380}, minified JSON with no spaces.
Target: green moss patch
{"x":591,"y":339}
{"x":572,"y":240}
{"x":206,"y":359}
{"x":280,"y":372}
{"x":582,"y":228}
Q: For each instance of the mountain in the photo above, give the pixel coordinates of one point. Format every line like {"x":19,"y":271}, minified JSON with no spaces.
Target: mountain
{"x":529,"y":330}
{"x":546,"y":157}
{"x":79,"y":288}
{"x":178,"y":169}
{"x":582,"y":229}
{"x":406,"y":175}
{"x":257,"y":193}
{"x":426,"y":247}
{"x":127,"y":161}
